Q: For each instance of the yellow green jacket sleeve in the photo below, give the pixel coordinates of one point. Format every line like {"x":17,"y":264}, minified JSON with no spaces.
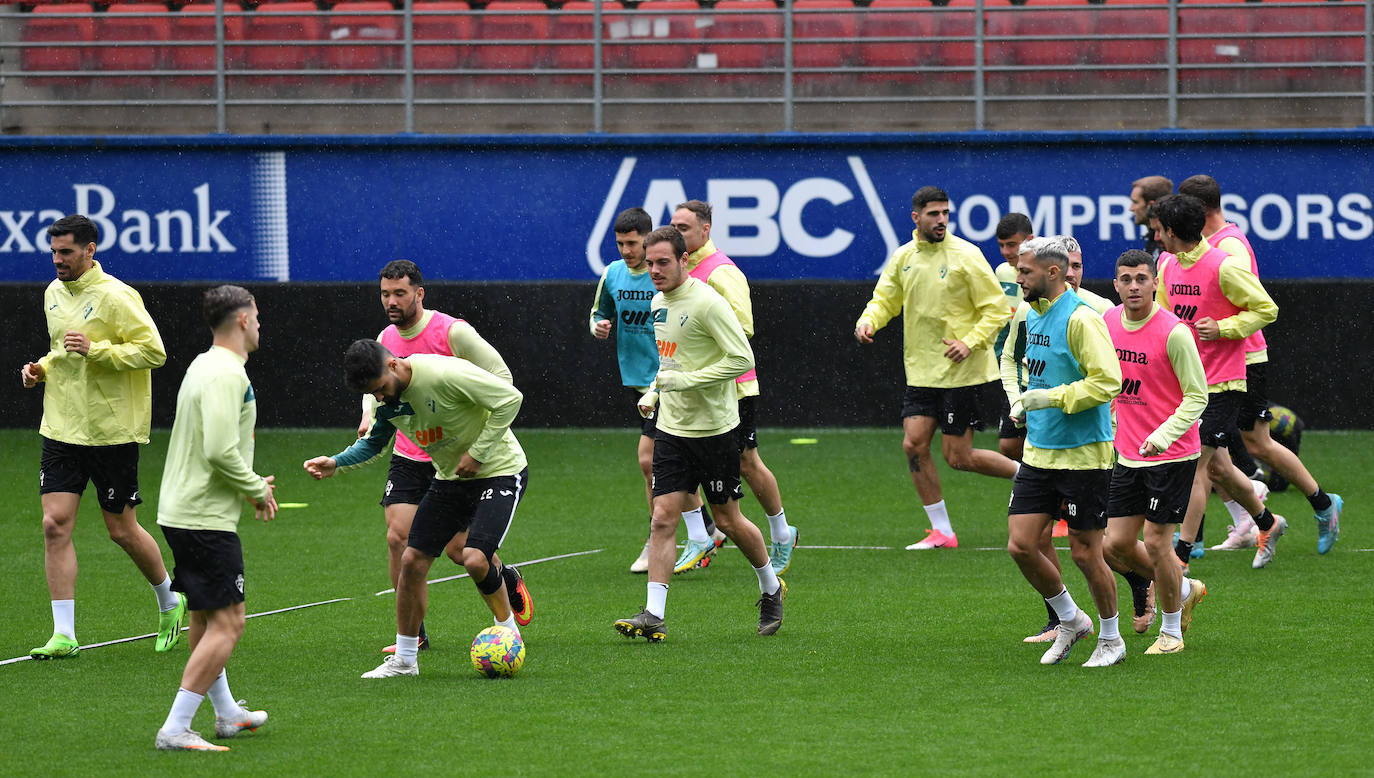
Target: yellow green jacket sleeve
{"x":1183,"y":355}
{"x":1244,"y":289}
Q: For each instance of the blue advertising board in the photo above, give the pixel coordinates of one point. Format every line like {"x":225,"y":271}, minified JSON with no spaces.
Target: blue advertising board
{"x":541,"y":208}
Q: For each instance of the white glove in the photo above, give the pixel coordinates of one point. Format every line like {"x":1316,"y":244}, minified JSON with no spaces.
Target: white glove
{"x":1036,"y":399}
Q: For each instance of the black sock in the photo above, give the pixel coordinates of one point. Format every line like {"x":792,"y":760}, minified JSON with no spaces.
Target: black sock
{"x":1265,"y":521}
{"x":1136,"y":580}
{"x":1201,"y":525}
{"x":706,"y":517}
{"x":1320,"y":501}
{"x":1054,"y":617}
{"x":1182,"y":549}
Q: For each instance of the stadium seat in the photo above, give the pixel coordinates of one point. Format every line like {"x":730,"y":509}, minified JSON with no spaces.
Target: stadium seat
{"x":1119,"y":45}
{"x":524,"y":25}
{"x":575,"y":24}
{"x":374,"y":24}
{"x":196,"y":22}
{"x":1346,"y":18}
{"x":42,"y":26}
{"x":663,"y":34}
{"x":1297,"y":50}
{"x":744,"y":34}
{"x":440,"y":20}
{"x":912,"y":21}
{"x":1055,"y":63}
{"x":1210,"y":48}
{"x":834,"y":19}
{"x":287,"y":29}
{"x":144,"y":36}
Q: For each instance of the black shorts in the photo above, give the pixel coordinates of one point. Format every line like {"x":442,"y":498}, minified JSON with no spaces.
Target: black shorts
{"x":1081,"y":493}
{"x":956,"y":409}
{"x":483,"y":508}
{"x":1255,"y":406}
{"x":406,"y":481}
{"x":1006,"y":428}
{"x":746,"y":434}
{"x":683,"y":464}
{"x":649,"y":426}
{"x":1219,"y":418}
{"x":1159,"y":492}
{"x":65,"y":467}
{"x":208,"y":567}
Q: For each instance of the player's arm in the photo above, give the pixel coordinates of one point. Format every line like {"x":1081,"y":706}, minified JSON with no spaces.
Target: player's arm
{"x":221,"y":402}
{"x":988,"y":300}
{"x":1091,"y":345}
{"x":730,"y":283}
{"x":501,"y":400}
{"x":737,"y":357}
{"x":142,"y":348}
{"x":1244,"y":290}
{"x":1161,"y":289}
{"x":364,"y":450}
{"x":886,"y":302}
{"x":1181,"y":347}
{"x":1008,"y":363}
{"x":603,"y":309}
{"x":464,"y":342}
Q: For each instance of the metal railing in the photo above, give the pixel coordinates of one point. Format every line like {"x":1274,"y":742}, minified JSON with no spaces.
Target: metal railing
{"x":976,"y":55}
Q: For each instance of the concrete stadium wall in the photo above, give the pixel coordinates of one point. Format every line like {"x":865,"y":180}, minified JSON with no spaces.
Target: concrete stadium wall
{"x":812,"y":371}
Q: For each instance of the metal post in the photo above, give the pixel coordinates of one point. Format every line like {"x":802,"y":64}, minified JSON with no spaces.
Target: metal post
{"x":408,"y":55}
{"x":979,"y":104}
{"x":1173,"y":63}
{"x":598,"y":117}
{"x":788,"y":118}
{"x":221,"y":113}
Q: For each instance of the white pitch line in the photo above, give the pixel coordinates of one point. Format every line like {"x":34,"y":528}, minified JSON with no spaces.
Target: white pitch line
{"x":433,"y":581}
{"x":183,"y":629}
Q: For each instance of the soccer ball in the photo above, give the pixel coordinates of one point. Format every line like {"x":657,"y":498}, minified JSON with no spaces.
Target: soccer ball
{"x":498,"y":652}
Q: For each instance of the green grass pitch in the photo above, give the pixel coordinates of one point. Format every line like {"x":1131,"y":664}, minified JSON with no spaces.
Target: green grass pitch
{"x":889,"y":662}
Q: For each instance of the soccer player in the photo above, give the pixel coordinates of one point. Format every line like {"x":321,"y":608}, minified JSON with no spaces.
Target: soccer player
{"x":952,"y":308}
{"x":1164,"y":391}
{"x":97,"y":408}
{"x":460,"y":415}
{"x":1254,"y":416}
{"x":209,"y":470}
{"x":1144,"y":192}
{"x":1014,"y":379}
{"x":702,"y":349}
{"x":1073,"y":375}
{"x":1012,"y":230}
{"x":416,"y":330}
{"x":708,"y":264}
{"x":1223,"y":302}
{"x":623,"y":295}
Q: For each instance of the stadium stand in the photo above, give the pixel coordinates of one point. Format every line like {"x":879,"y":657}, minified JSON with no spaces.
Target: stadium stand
{"x":576,"y":24}
{"x":663,"y":36}
{"x":284,"y":32}
{"x":743,"y":34}
{"x":54,"y":25}
{"x":196,"y":22}
{"x":516,"y":28}
{"x":442,"y":29}
{"x":833,"y":19}
{"x":374,"y":24}
{"x":146,"y":35}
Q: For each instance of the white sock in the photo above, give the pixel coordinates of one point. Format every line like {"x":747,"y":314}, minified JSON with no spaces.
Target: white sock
{"x":1239,"y":516}
{"x":939,"y":517}
{"x":777,"y":527}
{"x":510,"y":623}
{"x":1064,"y":606}
{"x":166,"y":598}
{"x":657,"y":603}
{"x":1172,"y":624}
{"x":64,"y":617}
{"x":1108,"y":629}
{"x":223,"y":699}
{"x":768,"y":580}
{"x":1186,"y":589}
{"x":696,"y":527}
{"x":407,"y":648}
{"x":183,"y":710}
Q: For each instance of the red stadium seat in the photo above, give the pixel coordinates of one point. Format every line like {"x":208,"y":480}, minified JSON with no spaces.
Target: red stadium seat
{"x":663,"y":34}
{"x":911,"y":20}
{"x":1348,"y":19}
{"x":196,"y":22}
{"x":40,"y":27}
{"x":144,"y":35}
{"x":1211,"y":48}
{"x":524,"y":25}
{"x":374,"y":24}
{"x":284,"y":27}
{"x":1120,"y":46}
{"x":440,"y":20}
{"x":824,"y":19}
{"x":576,"y":25}
{"x":1298,"y":51}
{"x":745,"y":34}
{"x":1055,"y":61}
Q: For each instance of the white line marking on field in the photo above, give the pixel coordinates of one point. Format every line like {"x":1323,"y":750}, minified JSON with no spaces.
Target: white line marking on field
{"x":183,"y":629}
{"x":433,"y":581}
{"x":856,"y":548}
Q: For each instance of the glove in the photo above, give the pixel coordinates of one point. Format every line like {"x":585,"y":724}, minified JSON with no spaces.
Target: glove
{"x":1036,"y":399}
{"x":646,"y":404}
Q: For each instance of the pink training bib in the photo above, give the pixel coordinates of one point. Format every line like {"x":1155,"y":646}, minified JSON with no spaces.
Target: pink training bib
{"x":1255,"y":342}
{"x":1150,"y":392}
{"x":1195,"y":293}
{"x":433,"y":339}
{"x":702,"y":272}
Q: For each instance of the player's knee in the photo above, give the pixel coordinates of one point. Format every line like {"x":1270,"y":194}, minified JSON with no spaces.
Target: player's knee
{"x":1021,"y":550}
{"x":915,"y":448}
{"x":396,"y":540}
{"x":959,"y":459}
{"x":481,"y":565}
{"x":664,"y":521}
{"x":1085,"y":556}
{"x":56,"y":528}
